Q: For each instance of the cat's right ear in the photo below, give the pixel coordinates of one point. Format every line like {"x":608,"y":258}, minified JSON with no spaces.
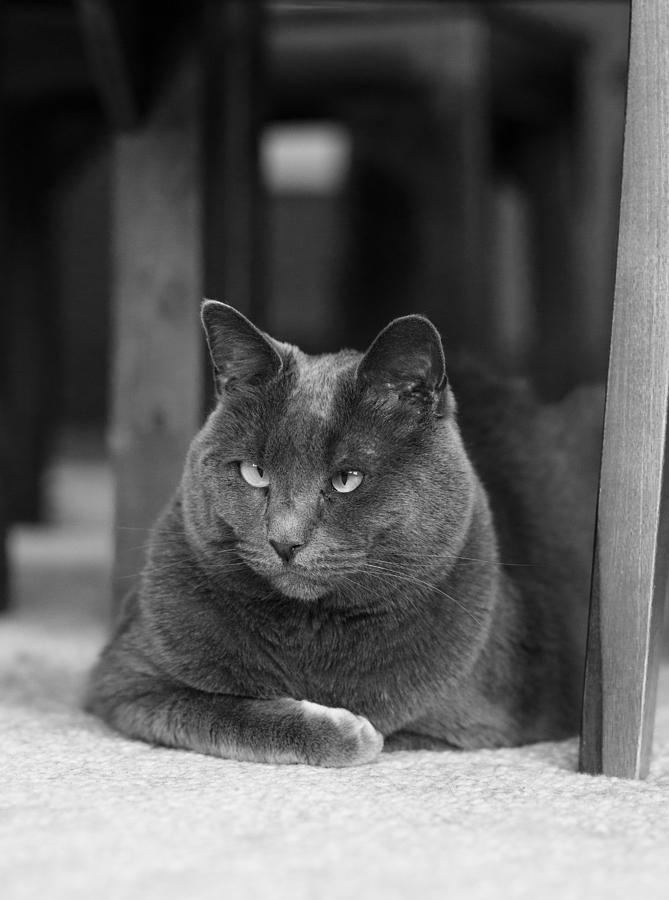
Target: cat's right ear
{"x":406,"y":362}
{"x":240,"y":352}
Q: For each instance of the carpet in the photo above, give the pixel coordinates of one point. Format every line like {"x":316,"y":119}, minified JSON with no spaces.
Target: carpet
{"x":85,"y":813}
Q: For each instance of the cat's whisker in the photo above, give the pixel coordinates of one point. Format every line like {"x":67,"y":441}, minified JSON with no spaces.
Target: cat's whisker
{"x":412,"y":579}
{"x":191,"y":567}
{"x":362,"y":590}
{"x":148,"y":530}
{"x":414,"y":570}
{"x":443,"y":555}
{"x":157,"y":547}
{"x":475,"y":559}
{"x":153,"y":545}
{"x":417,"y":566}
{"x":377,"y":593}
{"x":132,"y":528}
{"x":383,"y":597}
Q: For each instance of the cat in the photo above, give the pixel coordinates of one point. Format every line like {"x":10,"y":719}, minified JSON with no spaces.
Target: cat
{"x":361,"y":549}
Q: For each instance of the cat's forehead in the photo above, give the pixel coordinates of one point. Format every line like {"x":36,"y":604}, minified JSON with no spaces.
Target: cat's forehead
{"x":306,"y":420}
{"x":317,"y":380}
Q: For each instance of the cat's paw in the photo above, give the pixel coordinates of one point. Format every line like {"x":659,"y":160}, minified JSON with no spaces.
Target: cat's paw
{"x":338,"y":737}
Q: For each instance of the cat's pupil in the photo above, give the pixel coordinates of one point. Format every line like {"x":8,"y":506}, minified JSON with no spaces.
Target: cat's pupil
{"x":344,"y":477}
{"x":260,"y":471}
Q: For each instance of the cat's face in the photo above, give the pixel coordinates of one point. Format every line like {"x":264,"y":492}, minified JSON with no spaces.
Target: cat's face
{"x":327,"y":474}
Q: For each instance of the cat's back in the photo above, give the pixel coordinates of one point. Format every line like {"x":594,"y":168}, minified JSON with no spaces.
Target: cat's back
{"x":538,"y":462}
{"x":539,"y":467}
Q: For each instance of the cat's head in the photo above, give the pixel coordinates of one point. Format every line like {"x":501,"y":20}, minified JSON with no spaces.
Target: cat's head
{"x":336,"y":475}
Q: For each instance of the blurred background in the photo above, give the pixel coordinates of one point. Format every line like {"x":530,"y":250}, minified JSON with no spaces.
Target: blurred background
{"x":323,"y":166}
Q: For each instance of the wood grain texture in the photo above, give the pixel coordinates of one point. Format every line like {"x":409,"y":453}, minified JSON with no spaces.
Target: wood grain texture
{"x":631,"y":544}
{"x":157,"y":345}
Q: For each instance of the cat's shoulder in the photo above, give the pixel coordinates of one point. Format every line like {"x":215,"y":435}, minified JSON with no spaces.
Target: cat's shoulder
{"x":503,"y":405}
{"x":519,"y":444}
{"x":491,"y":405}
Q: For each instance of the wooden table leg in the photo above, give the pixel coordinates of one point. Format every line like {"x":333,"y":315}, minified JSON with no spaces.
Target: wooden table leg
{"x":186,"y":225}
{"x":632,"y":547}
{"x":157,"y":342}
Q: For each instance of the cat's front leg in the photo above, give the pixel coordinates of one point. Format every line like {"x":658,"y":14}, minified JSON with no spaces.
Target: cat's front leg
{"x":281,"y":730}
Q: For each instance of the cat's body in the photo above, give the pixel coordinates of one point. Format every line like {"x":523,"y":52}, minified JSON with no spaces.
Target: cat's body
{"x":440,"y":601}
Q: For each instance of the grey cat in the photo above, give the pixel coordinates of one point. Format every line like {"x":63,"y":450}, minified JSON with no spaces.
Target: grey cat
{"x":350,"y":558}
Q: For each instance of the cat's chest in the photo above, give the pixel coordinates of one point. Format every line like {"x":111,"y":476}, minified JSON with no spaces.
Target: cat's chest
{"x":346,"y":663}
{"x":312,"y":648}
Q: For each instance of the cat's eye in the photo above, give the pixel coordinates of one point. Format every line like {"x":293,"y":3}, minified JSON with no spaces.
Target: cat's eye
{"x":254,"y":475}
{"x":347,"y":480}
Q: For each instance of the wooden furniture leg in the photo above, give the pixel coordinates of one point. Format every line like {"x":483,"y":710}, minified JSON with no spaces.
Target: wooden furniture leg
{"x":186,"y":226}
{"x":234,"y":57}
{"x":157,"y":345}
{"x":631,"y":546}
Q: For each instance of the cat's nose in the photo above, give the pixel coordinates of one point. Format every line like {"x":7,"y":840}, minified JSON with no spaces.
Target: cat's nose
{"x":285,"y":549}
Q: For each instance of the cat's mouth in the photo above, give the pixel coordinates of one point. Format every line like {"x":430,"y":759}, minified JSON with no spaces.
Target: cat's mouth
{"x":297,"y":585}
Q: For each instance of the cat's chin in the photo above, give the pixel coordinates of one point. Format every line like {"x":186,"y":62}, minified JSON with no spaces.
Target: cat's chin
{"x":295,"y":586}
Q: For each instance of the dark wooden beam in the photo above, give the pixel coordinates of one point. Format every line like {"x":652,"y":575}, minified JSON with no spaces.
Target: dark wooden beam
{"x":156,"y":337}
{"x":5,"y":430}
{"x":43,"y":54}
{"x":234,"y":113}
{"x":186,"y":212}
{"x":28,"y":330}
{"x":110,"y":32}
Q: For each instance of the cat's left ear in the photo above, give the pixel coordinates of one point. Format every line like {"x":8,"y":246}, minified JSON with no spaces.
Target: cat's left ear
{"x":240,"y":353}
{"x":406,"y":359}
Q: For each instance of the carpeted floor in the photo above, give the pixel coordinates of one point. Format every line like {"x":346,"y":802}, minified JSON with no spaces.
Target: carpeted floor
{"x":85,"y":813}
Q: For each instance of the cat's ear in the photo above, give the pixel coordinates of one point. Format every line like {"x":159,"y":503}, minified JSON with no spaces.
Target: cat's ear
{"x":240,"y":352}
{"x":406,"y":360}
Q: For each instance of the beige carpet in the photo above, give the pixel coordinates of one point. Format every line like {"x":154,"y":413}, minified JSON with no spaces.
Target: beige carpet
{"x":87,"y":814}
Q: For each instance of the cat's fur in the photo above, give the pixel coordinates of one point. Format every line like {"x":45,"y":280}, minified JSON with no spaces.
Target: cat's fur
{"x":442,"y":602}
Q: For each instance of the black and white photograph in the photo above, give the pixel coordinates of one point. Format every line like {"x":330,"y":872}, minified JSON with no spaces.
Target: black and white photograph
{"x":334,"y":406}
